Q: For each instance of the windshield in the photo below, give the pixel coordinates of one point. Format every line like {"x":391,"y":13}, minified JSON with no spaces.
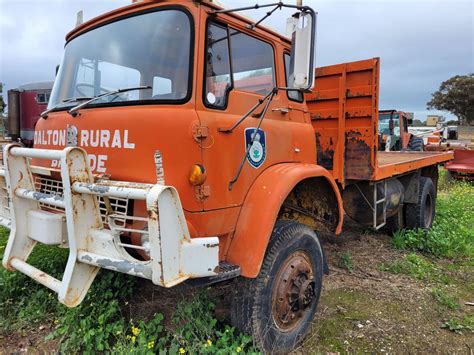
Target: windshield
{"x":152,"y":49}
{"x":384,"y":124}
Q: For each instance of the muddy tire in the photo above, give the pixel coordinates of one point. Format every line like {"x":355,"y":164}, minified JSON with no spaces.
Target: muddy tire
{"x":415,"y":144}
{"x":421,"y":214}
{"x":278,"y":306}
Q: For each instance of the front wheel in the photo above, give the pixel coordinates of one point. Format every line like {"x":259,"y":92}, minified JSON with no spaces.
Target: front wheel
{"x":278,"y":306}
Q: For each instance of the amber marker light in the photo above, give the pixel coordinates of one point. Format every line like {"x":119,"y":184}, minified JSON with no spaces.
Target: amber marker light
{"x":197,"y":175}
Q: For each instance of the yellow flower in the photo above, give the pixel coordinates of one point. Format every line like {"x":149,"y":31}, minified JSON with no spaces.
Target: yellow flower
{"x":56,"y":321}
{"x":151,"y":344}
{"x":239,"y":349}
{"x":209,"y":342}
{"x":135,"y":330}
{"x":133,"y":339}
{"x":182,"y":351}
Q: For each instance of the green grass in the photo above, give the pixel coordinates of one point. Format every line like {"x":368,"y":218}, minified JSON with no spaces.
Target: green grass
{"x":460,"y":324}
{"x":99,"y":324}
{"x":444,"y":299}
{"x":24,"y":302}
{"x":452,"y":234}
{"x":414,"y":265}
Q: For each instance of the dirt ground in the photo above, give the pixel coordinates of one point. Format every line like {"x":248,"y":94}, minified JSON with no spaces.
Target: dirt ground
{"x":363,"y":310}
{"x":378,"y":312}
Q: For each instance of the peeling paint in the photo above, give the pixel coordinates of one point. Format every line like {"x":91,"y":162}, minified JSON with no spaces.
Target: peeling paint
{"x":358,"y":157}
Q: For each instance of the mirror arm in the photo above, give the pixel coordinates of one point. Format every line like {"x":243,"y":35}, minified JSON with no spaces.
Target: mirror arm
{"x":269,"y":13}
{"x":252,"y":110}
{"x":247,"y":150}
{"x":254,"y":7}
{"x":257,"y":6}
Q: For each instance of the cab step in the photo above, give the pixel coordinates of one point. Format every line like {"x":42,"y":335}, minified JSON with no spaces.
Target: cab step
{"x":225,"y":271}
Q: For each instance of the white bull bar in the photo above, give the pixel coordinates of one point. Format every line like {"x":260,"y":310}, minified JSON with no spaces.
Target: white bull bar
{"x":174,"y":256}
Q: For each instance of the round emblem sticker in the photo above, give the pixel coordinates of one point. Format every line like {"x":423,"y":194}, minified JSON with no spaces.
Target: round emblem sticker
{"x":256,"y":152}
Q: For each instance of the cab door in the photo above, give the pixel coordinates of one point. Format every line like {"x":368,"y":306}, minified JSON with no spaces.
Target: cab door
{"x":241,"y":67}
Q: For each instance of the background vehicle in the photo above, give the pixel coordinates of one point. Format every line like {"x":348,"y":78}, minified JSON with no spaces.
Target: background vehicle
{"x":394,"y":132}
{"x":462,"y":166}
{"x":25,"y":105}
{"x":201,"y":154}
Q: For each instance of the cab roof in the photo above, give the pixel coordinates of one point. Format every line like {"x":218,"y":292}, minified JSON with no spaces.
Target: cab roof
{"x":137,"y":5}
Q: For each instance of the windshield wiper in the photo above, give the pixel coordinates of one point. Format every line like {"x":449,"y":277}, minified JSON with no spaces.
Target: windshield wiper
{"x":44,"y":114}
{"x":73,"y":111}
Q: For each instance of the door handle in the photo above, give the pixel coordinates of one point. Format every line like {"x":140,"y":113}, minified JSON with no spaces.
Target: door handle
{"x":283,"y":110}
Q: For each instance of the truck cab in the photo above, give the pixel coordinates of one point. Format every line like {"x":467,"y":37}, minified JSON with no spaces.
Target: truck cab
{"x":394,"y":134}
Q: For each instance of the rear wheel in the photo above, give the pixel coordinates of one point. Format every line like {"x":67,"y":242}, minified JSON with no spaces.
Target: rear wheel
{"x":421,"y":214}
{"x":415,"y":144}
{"x":277,"y":307}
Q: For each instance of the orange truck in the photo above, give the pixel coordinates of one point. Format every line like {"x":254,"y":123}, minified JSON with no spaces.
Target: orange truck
{"x":394,"y":134}
{"x":185,"y":142}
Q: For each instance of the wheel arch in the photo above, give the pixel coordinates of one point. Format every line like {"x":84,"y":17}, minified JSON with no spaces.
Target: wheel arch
{"x":268,"y":199}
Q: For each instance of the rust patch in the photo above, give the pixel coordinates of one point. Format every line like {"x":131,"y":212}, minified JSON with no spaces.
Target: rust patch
{"x":357,"y":157}
{"x":325,"y":158}
{"x":318,"y":116}
{"x":312,"y":202}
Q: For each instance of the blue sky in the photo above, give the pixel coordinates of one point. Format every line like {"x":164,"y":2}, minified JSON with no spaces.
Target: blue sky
{"x":420,"y":43}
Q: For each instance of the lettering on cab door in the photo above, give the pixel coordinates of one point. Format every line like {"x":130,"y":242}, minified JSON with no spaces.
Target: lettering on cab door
{"x":94,"y":138}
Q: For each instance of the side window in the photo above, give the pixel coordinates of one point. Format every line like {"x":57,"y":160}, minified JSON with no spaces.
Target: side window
{"x":292,"y":95}
{"x":218,"y":74}
{"x":250,"y":67}
{"x":252,"y":63}
{"x":42,"y":98}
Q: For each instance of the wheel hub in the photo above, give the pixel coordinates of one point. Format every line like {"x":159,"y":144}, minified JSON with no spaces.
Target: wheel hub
{"x":294,"y":291}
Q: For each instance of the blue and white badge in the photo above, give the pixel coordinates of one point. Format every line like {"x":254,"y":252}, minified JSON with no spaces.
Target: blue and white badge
{"x":258,"y":150}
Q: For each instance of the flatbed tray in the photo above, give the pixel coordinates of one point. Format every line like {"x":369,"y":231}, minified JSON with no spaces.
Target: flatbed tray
{"x":396,"y":163}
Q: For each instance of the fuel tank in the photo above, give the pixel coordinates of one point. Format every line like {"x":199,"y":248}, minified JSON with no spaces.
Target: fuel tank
{"x":360,"y":199}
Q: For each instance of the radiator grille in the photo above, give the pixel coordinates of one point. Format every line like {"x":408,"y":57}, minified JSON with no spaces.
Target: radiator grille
{"x":51,"y":186}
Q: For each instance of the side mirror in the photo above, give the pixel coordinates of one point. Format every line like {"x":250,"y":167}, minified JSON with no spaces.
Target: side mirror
{"x":410,"y":121}
{"x":302,"y":27}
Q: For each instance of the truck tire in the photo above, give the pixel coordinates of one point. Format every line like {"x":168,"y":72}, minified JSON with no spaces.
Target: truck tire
{"x":278,"y":306}
{"x":415,"y":144}
{"x":421,"y":214}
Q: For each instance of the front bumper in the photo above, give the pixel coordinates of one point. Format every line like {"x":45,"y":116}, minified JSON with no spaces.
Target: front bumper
{"x":74,"y":220}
